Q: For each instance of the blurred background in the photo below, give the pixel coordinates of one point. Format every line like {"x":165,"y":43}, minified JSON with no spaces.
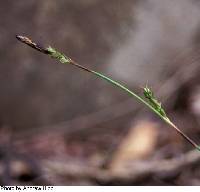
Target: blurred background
{"x":63,"y":126}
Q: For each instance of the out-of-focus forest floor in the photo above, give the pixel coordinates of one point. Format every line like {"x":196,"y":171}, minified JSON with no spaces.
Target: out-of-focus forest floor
{"x":60,"y":126}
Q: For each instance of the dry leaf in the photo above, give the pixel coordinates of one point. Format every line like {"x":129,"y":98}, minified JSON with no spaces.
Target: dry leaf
{"x":138,"y":144}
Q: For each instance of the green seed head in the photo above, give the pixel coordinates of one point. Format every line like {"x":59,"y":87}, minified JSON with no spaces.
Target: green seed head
{"x":57,"y":55}
{"x":148,"y":93}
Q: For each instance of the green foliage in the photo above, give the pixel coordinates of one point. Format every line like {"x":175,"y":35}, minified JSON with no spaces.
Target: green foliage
{"x":150,"y":100}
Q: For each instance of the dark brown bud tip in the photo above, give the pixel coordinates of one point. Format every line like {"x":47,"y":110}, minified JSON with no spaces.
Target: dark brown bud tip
{"x":32,"y":44}
{"x":18,"y":37}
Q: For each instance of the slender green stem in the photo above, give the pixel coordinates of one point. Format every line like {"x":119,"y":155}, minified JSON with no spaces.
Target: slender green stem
{"x":152,"y":103}
{"x":140,"y":99}
{"x":119,"y":85}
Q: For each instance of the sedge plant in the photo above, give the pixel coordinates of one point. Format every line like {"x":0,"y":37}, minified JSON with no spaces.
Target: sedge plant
{"x":148,"y":98}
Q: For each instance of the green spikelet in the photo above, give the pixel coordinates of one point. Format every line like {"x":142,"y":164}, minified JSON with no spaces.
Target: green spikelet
{"x":149,"y":95}
{"x":57,"y":55}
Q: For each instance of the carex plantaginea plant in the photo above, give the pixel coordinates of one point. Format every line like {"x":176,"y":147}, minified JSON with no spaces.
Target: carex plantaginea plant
{"x":147,"y":99}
